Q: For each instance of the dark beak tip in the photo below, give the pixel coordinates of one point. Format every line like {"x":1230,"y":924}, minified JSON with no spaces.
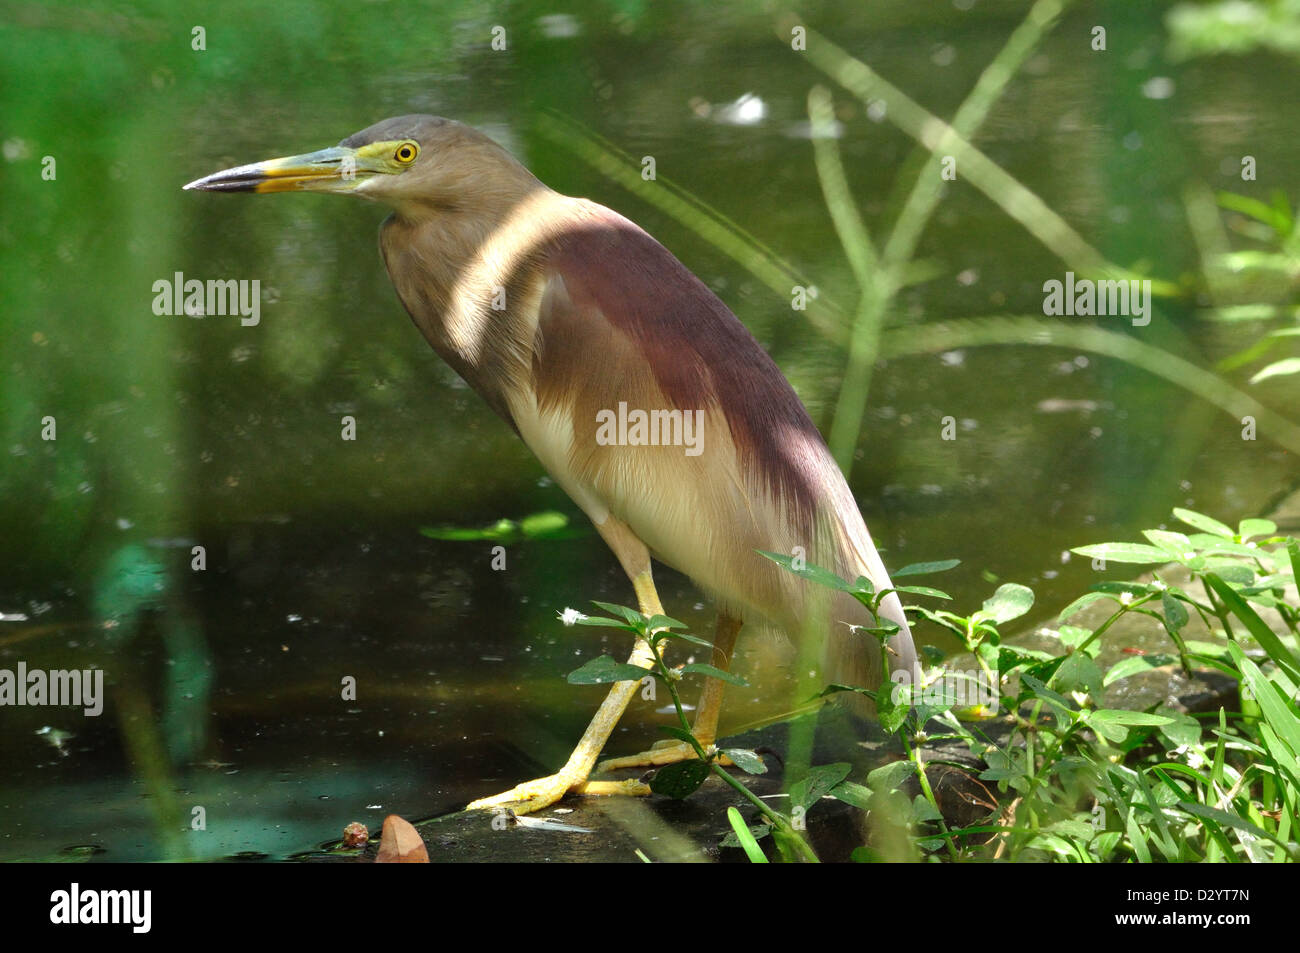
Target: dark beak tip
{"x":221,"y":184}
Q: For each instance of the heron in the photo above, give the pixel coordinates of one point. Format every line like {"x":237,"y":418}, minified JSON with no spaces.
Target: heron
{"x":558,"y":312}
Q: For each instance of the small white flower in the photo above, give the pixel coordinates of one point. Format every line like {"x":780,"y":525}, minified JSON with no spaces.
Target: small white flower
{"x":571,"y":616}
{"x":1125,"y":598}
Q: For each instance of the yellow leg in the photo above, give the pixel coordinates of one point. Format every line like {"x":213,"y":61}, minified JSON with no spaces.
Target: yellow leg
{"x":706,"y":715}
{"x":543,"y":792}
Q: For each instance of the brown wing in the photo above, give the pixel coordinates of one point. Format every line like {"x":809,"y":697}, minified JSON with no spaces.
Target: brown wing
{"x":621,"y":319}
{"x":620,"y":313}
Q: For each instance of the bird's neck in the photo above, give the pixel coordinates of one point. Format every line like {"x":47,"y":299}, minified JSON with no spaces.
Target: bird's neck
{"x":470,"y":279}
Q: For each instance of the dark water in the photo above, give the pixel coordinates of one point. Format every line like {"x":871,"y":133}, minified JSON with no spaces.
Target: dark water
{"x":223,"y":686}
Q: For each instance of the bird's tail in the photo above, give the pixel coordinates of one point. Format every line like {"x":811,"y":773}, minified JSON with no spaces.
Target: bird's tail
{"x":852,"y":655}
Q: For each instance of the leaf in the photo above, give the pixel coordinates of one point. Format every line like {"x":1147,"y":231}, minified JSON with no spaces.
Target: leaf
{"x":923,"y":810}
{"x":1072,"y":636}
{"x":891,"y":714}
{"x":1136,"y":553}
{"x":817,"y":783}
{"x":548,"y":525}
{"x":1274,"y":218}
{"x":1175,"y":544}
{"x":890,"y":777}
{"x":1280,"y":715}
{"x":1234,"y":573}
{"x":1134,"y":664}
{"x":923,"y":591}
{"x":681,"y":734}
{"x":1258,"y":628}
{"x":1122,"y":716}
{"x":920,"y":569}
{"x":744,"y":837}
{"x":1185,"y":730}
{"x":1232,"y":820}
{"x":701,"y":668}
{"x":746,"y":760}
{"x":810,"y":572}
{"x":1085,"y":600}
{"x":692,"y":639}
{"x":1204,"y":523}
{"x":1064,"y":711}
{"x":1209,"y":650}
{"x":1139,"y":843}
{"x":600,"y":620}
{"x":883,"y":631}
{"x":1280,"y":752}
{"x":1013,"y":656}
{"x":1288,"y":365}
{"x":603,"y":669}
{"x":401,"y":843}
{"x":851,"y":793}
{"x":680,"y":780}
{"x":1073,"y":827}
{"x":631,"y":616}
{"x":1113,"y":723}
{"x":503,"y":530}
{"x":863,"y":587}
{"x":835,"y":689}
{"x":664,"y":622}
{"x":1045,"y":671}
{"x":1214,"y":546}
{"x":1078,"y":673}
{"x":1132,"y":588}
{"x":1175,"y":612}
{"x":1010,"y":601}
{"x":1052,"y":845}
{"x":1254,"y":527}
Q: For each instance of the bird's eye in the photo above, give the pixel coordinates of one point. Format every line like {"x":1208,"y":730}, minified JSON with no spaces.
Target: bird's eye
{"x":406,"y":152}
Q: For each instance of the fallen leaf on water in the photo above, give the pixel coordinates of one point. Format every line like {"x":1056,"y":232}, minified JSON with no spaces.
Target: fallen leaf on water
{"x":400,"y":843}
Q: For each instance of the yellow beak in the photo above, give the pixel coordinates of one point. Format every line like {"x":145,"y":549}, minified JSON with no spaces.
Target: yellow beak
{"x":337,"y":169}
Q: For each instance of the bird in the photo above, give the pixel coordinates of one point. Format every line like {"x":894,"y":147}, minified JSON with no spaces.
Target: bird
{"x":584,"y":334}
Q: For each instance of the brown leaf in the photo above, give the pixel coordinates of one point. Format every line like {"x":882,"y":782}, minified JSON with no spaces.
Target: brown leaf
{"x":400,"y":843}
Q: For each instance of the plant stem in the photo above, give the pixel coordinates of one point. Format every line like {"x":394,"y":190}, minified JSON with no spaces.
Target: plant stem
{"x":914,"y":755}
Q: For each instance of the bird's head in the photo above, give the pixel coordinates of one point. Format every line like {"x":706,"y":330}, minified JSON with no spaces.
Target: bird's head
{"x":406,"y":162}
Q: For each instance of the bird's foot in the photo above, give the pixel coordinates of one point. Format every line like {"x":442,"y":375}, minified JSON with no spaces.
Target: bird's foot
{"x":541,"y":793}
{"x":660,"y":754}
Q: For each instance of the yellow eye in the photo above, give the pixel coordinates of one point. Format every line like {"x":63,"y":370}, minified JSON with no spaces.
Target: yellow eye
{"x":406,"y":152}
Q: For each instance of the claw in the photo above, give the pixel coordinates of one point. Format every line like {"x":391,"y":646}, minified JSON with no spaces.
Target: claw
{"x":537,"y":795}
{"x":659,"y":755}
{"x":530,"y":796}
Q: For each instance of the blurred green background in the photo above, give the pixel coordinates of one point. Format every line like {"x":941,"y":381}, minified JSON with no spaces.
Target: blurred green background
{"x":174,"y":432}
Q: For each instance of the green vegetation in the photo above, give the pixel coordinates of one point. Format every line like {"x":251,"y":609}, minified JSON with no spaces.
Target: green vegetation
{"x":1076,"y":779}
